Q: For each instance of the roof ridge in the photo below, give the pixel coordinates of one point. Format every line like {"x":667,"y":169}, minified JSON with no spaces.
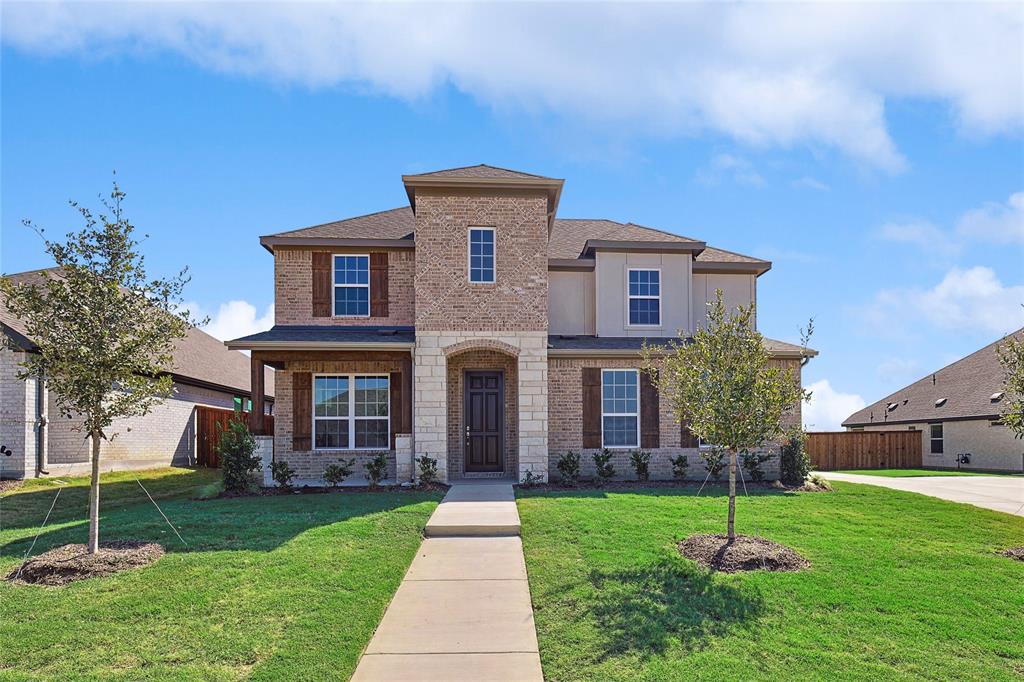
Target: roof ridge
{"x":483,"y":165}
{"x":737,"y":253}
{"x":342,"y":220}
{"x":661,"y":231}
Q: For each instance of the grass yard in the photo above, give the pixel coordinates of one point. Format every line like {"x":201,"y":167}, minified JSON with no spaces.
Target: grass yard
{"x":286,"y":587}
{"x":900,"y":586}
{"x":916,"y":473}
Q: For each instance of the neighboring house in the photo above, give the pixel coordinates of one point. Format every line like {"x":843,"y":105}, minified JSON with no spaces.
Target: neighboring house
{"x":36,"y":438}
{"x":477,"y":328}
{"x":957,"y":410}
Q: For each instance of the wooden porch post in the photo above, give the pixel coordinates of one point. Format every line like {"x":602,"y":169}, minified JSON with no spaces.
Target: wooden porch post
{"x":256,"y":393}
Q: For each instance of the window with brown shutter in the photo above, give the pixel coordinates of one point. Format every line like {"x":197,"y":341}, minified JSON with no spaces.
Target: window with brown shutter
{"x":400,"y":420}
{"x":591,"y":407}
{"x":686,"y":436}
{"x":650,"y":436}
{"x":322,"y":284}
{"x":379,"y":284}
{"x":302,"y":419}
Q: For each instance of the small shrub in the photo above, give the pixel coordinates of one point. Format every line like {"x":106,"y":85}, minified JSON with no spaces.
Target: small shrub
{"x":335,"y":474}
{"x":794,"y":464}
{"x":816,"y":482}
{"x":428,"y":470}
{"x":569,"y":468}
{"x":377,"y":469}
{"x":640,"y":460}
{"x":680,"y":465}
{"x":752,"y":461}
{"x":604,"y":466}
{"x":714,"y":461}
{"x":282,"y":473}
{"x":530,"y":479}
{"x":236,"y":449}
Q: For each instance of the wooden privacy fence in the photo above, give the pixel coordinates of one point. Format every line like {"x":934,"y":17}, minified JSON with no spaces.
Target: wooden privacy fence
{"x":864,"y":450}
{"x":207,"y":438}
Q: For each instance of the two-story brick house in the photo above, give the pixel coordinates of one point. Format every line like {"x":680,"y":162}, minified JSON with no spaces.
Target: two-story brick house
{"x":476,"y":327}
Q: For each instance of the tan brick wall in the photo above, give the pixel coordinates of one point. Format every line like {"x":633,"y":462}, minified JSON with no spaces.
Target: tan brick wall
{"x":445,"y":299}
{"x":17,"y":417}
{"x":484,"y":360}
{"x":565,"y":420}
{"x":293,"y":288}
{"x":309,"y":465}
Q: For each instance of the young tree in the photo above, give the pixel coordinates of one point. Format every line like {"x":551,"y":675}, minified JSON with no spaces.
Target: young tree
{"x":1011,"y":355}
{"x":723,"y":383}
{"x":104,"y":332}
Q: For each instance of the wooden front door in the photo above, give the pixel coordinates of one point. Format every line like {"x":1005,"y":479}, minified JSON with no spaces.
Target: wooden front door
{"x":484,"y":421}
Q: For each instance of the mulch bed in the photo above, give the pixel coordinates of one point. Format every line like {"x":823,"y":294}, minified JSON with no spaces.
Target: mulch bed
{"x":1014,"y":553}
{"x":633,"y":485}
{"x":319,"y":490}
{"x":745,"y":553}
{"x":69,"y":563}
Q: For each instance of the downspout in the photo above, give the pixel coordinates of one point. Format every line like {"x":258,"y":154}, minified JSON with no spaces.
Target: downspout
{"x":42,"y":422}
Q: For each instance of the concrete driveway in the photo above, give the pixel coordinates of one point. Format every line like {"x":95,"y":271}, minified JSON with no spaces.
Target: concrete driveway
{"x":999,"y":493}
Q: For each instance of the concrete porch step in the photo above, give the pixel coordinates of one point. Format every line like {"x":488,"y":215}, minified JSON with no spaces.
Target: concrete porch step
{"x":475,"y":510}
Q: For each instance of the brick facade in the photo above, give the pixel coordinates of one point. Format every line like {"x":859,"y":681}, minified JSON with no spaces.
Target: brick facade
{"x":309,"y":464}
{"x":445,"y":299}
{"x":484,"y":360}
{"x":565,"y":419}
{"x":293,"y":288}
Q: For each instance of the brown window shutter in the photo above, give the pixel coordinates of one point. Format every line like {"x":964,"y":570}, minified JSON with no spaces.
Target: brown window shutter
{"x":379,"y":284}
{"x":650,"y":436}
{"x":686,"y":436}
{"x":322,"y":303}
{"x":591,"y":407}
{"x":395,"y":411}
{"x":302,"y":404}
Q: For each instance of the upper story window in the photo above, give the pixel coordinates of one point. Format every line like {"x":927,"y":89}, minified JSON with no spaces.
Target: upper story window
{"x":936,"y":438}
{"x":351,"y":412}
{"x":645,"y":297}
{"x":351,"y":286}
{"x":620,"y":408}
{"x":481,"y":255}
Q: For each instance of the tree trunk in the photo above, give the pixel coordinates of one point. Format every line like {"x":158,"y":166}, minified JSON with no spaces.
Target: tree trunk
{"x":94,"y":497}
{"x":732,"y":495}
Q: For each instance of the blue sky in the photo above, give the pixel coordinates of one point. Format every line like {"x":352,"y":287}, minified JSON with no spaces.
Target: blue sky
{"x":885,"y":181}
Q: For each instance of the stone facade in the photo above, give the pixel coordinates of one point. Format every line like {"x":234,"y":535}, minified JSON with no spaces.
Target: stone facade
{"x":445,"y":299}
{"x":309,"y":465}
{"x":293,"y":288}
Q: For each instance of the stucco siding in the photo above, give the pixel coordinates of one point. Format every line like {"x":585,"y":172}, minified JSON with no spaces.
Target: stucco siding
{"x":612,"y":303}
{"x":571,"y":302}
{"x":737,"y":290}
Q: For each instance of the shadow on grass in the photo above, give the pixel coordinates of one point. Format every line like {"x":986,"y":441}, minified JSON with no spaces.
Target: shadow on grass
{"x":650,"y":609}
{"x":247,"y":523}
{"x":711,"y":490}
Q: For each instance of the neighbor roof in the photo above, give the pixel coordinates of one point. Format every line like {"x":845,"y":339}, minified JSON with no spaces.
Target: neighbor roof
{"x":967,"y":386}
{"x":569,"y":236}
{"x":198,"y":358}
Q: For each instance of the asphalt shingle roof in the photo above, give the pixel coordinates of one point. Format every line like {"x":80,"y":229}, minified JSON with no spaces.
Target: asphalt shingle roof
{"x":481,"y":170}
{"x":197,"y":356}
{"x":583,"y":342}
{"x":967,"y":385}
{"x":331,"y":334}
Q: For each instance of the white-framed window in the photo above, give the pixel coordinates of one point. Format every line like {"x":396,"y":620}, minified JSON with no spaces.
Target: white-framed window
{"x":935,"y":432}
{"x":644,"y":295}
{"x":351,"y":285}
{"x":481,"y":255}
{"x":351,"y":412}
{"x":620,"y":408}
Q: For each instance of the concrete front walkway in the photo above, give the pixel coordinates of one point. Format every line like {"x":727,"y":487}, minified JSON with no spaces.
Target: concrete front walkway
{"x":999,"y":493}
{"x":463,"y":610}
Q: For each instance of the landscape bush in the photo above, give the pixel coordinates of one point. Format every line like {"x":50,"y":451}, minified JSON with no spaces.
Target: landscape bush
{"x":377,"y":469}
{"x":282,"y":473}
{"x":680,"y":465}
{"x":603,"y":465}
{"x":236,"y":449}
{"x":428,"y":470}
{"x":336,"y":473}
{"x":640,"y":460}
{"x":714,"y":461}
{"x":752,"y":461}
{"x":569,"y":468}
{"x":794,"y":464}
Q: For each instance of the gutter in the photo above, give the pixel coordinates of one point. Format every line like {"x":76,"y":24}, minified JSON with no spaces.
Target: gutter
{"x":321,"y":345}
{"x":42,"y":425}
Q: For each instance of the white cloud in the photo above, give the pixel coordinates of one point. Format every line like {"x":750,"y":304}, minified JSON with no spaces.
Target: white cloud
{"x":893,"y":370}
{"x":233,"y":319}
{"x":808,"y":182}
{"x":827,"y":407}
{"x":930,"y":238}
{"x":764,"y":74}
{"x":994,"y":222}
{"x":741,"y":171}
{"x":965,"y":300}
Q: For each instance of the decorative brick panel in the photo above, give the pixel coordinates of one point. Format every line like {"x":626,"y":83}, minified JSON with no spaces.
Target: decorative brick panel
{"x":445,"y":299}
{"x":293,"y":289}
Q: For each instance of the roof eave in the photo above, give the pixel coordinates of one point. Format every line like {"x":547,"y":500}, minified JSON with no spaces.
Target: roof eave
{"x":594,"y":245}
{"x":270,"y":241}
{"x":571,"y":264}
{"x":241,"y":344}
{"x":712,"y":267}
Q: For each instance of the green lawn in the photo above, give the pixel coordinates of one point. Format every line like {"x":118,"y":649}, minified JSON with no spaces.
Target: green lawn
{"x":915,"y":473}
{"x":269,"y":588}
{"x":901,"y":586}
